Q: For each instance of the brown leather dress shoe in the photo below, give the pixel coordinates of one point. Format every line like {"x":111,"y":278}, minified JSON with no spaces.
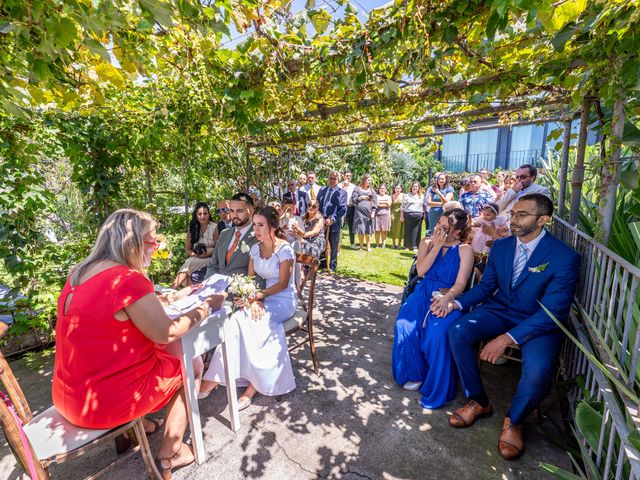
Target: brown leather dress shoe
{"x":467,"y":415}
{"x":511,"y":444}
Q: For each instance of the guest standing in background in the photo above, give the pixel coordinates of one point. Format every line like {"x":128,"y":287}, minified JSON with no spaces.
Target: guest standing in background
{"x":351,"y":209}
{"x":225,"y":218}
{"x":383,"y":216}
{"x":474,"y":199}
{"x":397,"y":226}
{"x":365,"y":199}
{"x":437,"y":195}
{"x":298,"y":196}
{"x":312,"y":188}
{"x":412,"y":214}
{"x":499,"y":186}
{"x":333,"y":206}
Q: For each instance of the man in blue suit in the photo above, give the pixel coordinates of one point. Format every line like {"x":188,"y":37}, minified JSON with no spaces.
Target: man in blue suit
{"x":298,"y":196}
{"x":524,"y":271}
{"x":333,"y":206}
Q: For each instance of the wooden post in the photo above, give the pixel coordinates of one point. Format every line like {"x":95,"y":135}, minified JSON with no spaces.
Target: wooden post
{"x":611,"y":174}
{"x":566,"y":143}
{"x":577,"y":176}
{"x":247,"y":166}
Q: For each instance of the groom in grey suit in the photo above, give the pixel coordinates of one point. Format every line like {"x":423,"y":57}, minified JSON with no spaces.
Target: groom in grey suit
{"x":231,"y":254}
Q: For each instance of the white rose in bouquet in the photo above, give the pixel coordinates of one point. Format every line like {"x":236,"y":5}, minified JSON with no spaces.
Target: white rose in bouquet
{"x":242,"y":286}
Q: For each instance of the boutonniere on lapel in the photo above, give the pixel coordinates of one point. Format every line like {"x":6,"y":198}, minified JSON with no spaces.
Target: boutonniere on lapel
{"x":540,"y":268}
{"x":244,"y":248}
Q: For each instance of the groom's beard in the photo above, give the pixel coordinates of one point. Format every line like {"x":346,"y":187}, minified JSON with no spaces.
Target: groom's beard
{"x":522,"y":230}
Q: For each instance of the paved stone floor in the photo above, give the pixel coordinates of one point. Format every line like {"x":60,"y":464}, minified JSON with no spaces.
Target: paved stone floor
{"x":350,"y":421}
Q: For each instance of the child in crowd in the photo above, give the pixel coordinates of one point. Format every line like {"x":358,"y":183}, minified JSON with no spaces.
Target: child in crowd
{"x":491,"y":226}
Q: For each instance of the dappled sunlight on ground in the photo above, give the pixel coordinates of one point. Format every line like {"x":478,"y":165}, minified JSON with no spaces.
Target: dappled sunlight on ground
{"x":350,"y":420}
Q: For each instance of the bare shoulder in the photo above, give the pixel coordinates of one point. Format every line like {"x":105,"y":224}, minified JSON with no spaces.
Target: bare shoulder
{"x":466,"y":251}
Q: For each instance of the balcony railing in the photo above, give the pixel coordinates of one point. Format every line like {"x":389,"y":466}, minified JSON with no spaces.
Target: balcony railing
{"x":605,"y":322}
{"x":477,"y":161}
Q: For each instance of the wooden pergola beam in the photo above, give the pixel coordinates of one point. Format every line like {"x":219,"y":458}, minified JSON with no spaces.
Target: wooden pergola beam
{"x":438,"y":132}
{"x":488,"y":111}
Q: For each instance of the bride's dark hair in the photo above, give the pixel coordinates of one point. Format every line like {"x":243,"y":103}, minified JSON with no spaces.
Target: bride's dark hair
{"x":273,"y":220}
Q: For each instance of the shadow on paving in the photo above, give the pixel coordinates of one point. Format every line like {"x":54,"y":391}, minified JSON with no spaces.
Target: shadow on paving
{"x":349,"y":421}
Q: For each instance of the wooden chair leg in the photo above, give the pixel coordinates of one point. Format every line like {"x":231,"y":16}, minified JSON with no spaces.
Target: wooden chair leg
{"x":145,"y":451}
{"x":312,"y":346}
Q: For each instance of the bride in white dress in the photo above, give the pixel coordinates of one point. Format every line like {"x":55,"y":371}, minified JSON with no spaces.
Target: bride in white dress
{"x":257,"y":339}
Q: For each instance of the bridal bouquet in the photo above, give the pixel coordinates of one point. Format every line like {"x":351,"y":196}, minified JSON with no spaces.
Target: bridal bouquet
{"x":242,"y":286}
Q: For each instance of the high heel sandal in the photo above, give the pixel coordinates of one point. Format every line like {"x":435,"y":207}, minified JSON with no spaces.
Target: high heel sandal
{"x":167,"y":473}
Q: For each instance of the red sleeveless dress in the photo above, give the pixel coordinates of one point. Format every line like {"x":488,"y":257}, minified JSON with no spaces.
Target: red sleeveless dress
{"x":106,"y":371}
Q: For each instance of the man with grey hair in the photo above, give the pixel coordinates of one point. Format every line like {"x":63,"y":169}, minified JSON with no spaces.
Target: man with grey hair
{"x":332,"y":201}
{"x":474,"y":199}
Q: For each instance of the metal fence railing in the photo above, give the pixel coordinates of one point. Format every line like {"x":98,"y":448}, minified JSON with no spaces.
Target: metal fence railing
{"x":605,"y":322}
{"x":477,"y":161}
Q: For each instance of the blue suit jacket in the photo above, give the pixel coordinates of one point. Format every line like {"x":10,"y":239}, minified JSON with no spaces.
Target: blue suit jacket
{"x":554,"y":287}
{"x":301,"y":200}
{"x":336,"y":208}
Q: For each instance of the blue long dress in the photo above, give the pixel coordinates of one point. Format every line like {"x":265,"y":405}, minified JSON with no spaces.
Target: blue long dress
{"x":421,"y":351}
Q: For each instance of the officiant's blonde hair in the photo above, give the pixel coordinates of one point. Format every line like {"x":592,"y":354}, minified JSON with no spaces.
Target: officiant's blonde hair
{"x":121,"y":240}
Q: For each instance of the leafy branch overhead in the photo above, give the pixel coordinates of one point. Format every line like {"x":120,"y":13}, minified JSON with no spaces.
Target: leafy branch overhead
{"x":302,"y":74}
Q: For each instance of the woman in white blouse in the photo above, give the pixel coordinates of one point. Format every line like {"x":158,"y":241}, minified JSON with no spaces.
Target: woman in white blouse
{"x":412,"y":215}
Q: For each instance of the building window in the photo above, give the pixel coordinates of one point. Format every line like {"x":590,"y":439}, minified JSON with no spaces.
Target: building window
{"x":483,"y":145}
{"x":526,"y":145}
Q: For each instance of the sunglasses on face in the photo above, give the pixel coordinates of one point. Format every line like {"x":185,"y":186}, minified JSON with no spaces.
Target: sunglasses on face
{"x":223,"y":210}
{"x":522,"y":177}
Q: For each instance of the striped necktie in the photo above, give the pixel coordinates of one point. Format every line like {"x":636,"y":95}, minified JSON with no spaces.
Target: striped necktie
{"x":521,"y":261}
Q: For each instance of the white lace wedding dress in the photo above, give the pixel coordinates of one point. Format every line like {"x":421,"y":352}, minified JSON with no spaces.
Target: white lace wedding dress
{"x":259,"y":347}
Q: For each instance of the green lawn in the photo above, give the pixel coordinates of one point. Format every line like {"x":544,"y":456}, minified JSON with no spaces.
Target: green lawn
{"x":384,"y":265}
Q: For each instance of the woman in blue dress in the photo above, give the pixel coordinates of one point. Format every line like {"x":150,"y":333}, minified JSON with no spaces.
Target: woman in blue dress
{"x":421,"y":356}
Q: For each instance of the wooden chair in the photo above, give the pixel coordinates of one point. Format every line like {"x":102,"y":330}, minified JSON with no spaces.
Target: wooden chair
{"x":48,"y":438}
{"x":302,"y":320}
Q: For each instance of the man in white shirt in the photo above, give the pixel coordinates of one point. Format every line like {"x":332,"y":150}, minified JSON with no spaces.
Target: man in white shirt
{"x":348,"y":187}
{"x":526,"y":176}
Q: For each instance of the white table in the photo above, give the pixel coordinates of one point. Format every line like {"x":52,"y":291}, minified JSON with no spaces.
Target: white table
{"x":204,"y":337}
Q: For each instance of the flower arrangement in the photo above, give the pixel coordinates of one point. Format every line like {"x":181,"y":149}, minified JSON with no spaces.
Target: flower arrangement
{"x":242,"y":286}
{"x":160,"y":268}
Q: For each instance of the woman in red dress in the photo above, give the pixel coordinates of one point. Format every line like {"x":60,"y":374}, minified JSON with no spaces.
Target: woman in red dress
{"x":110,"y":367}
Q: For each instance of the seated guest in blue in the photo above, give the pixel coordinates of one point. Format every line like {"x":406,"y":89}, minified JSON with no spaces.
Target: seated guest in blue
{"x":528,"y":269}
{"x":421,"y":355}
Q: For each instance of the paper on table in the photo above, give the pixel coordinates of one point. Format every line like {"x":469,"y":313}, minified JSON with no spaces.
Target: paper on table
{"x":214,"y":284}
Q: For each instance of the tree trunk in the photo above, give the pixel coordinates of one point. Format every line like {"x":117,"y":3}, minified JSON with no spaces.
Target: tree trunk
{"x":566,"y":144}
{"x":186,"y":190}
{"x":577,"y":175}
{"x":147,"y":173}
{"x":611,"y":174}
